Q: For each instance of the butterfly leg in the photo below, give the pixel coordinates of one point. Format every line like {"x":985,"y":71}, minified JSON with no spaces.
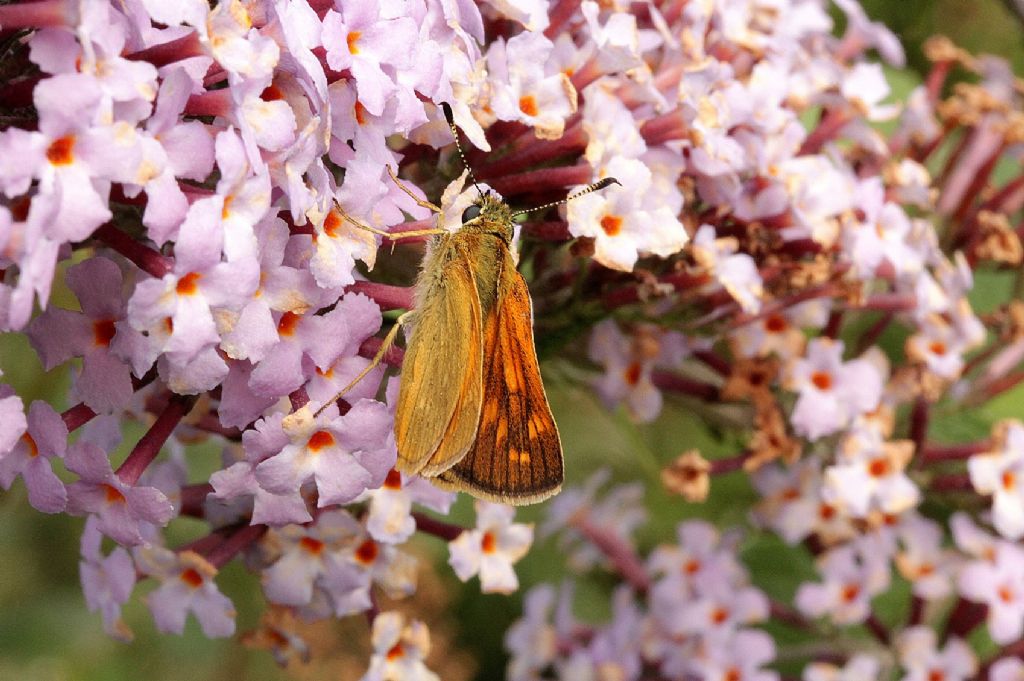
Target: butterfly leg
{"x":389,"y":340}
{"x":404,"y":188}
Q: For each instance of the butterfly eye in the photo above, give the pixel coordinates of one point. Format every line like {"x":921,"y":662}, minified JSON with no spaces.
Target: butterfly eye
{"x":470,"y":213}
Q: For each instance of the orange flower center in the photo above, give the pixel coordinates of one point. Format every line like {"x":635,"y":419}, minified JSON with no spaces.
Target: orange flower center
{"x":332,"y":222}
{"x":61,"y":151}
{"x":311,"y":546}
{"x":192,"y":577}
{"x":103,"y":331}
{"x":289,"y":321}
{"x":271,"y":93}
{"x":611,"y":224}
{"x":850,"y":592}
{"x":633,"y":373}
{"x":528,"y":105}
{"x":113,"y":495}
{"x":489,"y":543}
{"x":353,"y":41}
{"x":775,"y":323}
{"x":319,"y":440}
{"x":822,"y":380}
{"x":367,"y":552}
{"x":33,"y":448}
{"x":394,"y":480}
{"x":879,"y":467}
{"x":360,"y":112}
{"x":189,"y":284}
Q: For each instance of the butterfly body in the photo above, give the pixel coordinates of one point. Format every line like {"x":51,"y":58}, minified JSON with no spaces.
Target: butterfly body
{"x":472,"y":413}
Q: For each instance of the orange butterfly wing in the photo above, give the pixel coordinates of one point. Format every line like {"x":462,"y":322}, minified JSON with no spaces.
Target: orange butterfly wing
{"x":517,"y":455}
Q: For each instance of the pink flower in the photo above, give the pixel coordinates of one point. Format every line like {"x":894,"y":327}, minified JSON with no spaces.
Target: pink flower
{"x":30,"y":457}
{"x":123,"y":511}
{"x":186,"y":585}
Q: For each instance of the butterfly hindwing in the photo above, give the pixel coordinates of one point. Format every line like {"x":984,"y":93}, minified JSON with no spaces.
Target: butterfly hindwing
{"x":517,"y":455}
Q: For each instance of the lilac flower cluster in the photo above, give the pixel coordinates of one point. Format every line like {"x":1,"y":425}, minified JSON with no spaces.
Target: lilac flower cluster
{"x":190,"y":171}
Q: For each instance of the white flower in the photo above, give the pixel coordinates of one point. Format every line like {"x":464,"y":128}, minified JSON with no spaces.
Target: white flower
{"x":492,"y":548}
{"x":736,"y":272}
{"x":1001,"y":474}
{"x":398,"y":650}
{"x":832,"y":392}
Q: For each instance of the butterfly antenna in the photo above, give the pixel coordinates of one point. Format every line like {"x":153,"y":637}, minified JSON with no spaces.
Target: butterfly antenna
{"x":448,"y":116}
{"x":600,"y":184}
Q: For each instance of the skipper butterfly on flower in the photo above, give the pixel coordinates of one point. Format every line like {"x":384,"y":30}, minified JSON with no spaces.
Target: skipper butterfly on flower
{"x":472,"y":414}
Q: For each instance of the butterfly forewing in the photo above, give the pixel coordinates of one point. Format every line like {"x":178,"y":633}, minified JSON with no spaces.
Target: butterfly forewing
{"x":439,"y":402}
{"x":517,"y":456}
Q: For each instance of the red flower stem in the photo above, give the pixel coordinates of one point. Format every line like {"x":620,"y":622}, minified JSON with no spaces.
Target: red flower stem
{"x":370,"y":347}
{"x":954,"y":482}
{"x":587,"y":74}
{"x":18,"y":94}
{"x":211,"y":424}
{"x":193,"y":499}
{"x":954,"y":157}
{"x":978,"y":183}
{"x":148,"y":446}
{"x":166,"y":53}
{"x":542,"y":179}
{"x":1002,"y":384}
{"x":924,"y":153}
{"x":729,"y":464}
{"x":36,"y":15}
{"x":667,"y":126}
{"x":941,"y":453}
{"x":877,"y":629}
{"x":535,"y":151}
{"x":560,"y":13}
{"x":617,"y":550}
{"x":203,"y":545}
{"x":553,"y":230}
{"x":919,"y":417}
{"x":680,"y":281}
{"x":835,"y":322}
{"x":387,"y":296}
{"x":77,"y":416}
{"x":212,"y":103}
{"x":1008,"y":199}
{"x":888,"y":302}
{"x":916,"y":611}
{"x":936,"y":78}
{"x":981,"y":357}
{"x":964,"y":618}
{"x":238,"y":540}
{"x":145,"y":258}
{"x":827,"y":129}
{"x":681,"y":385}
{"x":299,"y":398}
{"x":784,"y":613}
{"x":875,"y":331}
{"x":435,"y":527}
{"x":826,"y":290}
{"x":714,"y":361}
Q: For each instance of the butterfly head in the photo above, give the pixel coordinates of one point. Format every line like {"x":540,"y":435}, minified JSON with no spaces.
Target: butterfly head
{"x":490,"y":215}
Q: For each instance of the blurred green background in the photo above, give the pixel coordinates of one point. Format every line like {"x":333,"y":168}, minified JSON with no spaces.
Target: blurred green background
{"x":46,"y":634}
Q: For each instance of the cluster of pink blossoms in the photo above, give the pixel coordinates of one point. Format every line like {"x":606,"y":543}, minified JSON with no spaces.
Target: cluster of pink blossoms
{"x":186,"y":170}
